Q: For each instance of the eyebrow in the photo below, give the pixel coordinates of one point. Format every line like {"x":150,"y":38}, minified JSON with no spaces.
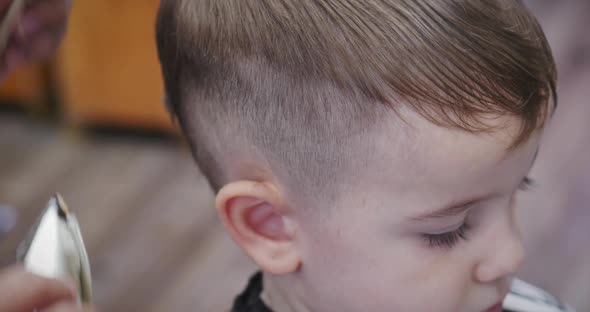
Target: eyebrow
{"x":460,"y":207}
{"x":452,"y":210}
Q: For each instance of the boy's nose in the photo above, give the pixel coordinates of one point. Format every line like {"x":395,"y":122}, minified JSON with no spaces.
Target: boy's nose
{"x":503,"y":259}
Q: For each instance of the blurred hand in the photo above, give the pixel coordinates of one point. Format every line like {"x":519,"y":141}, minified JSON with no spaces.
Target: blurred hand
{"x":21,"y":291}
{"x":38,"y":33}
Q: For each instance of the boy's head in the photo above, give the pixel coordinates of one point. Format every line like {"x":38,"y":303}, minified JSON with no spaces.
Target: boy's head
{"x":367,"y":153}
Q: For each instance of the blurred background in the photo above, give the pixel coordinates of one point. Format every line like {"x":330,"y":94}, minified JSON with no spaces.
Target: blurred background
{"x":91,"y":124}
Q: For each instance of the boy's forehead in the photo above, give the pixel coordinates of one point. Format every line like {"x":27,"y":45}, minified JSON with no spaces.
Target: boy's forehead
{"x":418,"y":167}
{"x":418,"y":151}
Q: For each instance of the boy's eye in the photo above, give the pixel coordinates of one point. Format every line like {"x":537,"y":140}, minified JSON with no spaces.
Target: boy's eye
{"x":447,"y":240}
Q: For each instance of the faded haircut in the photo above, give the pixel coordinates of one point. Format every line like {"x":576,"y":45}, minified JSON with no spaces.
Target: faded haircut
{"x":297,"y":80}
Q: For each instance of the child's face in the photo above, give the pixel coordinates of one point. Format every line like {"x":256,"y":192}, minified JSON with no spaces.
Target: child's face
{"x":391,"y":243}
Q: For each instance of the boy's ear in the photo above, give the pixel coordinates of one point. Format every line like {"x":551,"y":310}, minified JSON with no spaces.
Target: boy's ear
{"x":254,"y":215}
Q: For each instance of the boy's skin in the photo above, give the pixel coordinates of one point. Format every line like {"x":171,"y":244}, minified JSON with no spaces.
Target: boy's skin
{"x":22,"y":291}
{"x":365,"y":251}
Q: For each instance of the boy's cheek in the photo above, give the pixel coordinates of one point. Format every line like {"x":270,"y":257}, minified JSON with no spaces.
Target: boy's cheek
{"x":395,"y":281}
{"x":393,"y":269}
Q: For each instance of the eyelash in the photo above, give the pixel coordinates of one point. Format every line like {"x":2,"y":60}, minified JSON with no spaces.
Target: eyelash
{"x":450,"y":239}
{"x":447,"y":240}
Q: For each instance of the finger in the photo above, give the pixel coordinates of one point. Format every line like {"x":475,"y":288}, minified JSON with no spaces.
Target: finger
{"x":68,"y":307}
{"x":24,"y":291}
{"x":43,"y":14}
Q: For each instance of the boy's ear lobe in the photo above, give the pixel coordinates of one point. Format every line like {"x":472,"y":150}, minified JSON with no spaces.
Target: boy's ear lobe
{"x":253,"y":214}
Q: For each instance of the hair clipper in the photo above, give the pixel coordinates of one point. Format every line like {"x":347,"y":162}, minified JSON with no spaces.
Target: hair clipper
{"x":55,"y":249}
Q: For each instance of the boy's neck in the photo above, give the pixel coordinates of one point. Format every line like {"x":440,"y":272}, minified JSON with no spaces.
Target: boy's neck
{"x":278,"y":299}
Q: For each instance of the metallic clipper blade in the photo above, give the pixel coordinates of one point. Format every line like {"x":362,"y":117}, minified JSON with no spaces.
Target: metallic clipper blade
{"x":55,"y":248}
